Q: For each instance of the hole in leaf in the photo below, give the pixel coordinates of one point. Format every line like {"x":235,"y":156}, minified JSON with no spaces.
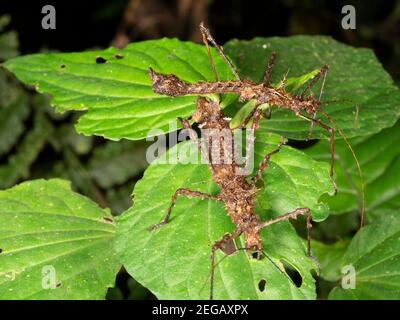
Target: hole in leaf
{"x":100,"y":60}
{"x":260,"y":184}
{"x":58,"y":285}
{"x":1,"y":250}
{"x":118,"y":56}
{"x":108,"y":219}
{"x":261,"y":285}
{"x":293,"y":274}
{"x":62,"y":66}
{"x":314,"y":274}
{"x":256,"y":255}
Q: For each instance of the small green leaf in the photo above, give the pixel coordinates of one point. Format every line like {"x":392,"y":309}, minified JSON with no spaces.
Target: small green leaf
{"x":45,"y":227}
{"x":173,"y":262}
{"x":355,"y":74}
{"x":375,"y":255}
{"x":294,"y":83}
{"x":117,"y":94}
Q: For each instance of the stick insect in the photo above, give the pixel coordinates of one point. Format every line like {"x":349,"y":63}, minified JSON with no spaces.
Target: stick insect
{"x":304,"y":105}
{"x":236,"y":192}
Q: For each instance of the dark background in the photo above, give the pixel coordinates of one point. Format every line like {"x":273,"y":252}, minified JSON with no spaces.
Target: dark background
{"x":88,"y":24}
{"x":82,"y":25}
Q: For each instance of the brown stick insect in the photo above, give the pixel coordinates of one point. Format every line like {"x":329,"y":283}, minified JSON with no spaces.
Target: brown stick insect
{"x":237,"y":192}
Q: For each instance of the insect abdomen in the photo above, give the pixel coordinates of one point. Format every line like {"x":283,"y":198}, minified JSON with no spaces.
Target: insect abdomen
{"x":214,"y":87}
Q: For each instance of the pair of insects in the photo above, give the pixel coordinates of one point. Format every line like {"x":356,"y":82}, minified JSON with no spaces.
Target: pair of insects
{"x":237,"y":192}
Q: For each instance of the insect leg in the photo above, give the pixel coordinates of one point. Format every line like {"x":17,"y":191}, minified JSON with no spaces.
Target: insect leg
{"x":228,"y":246}
{"x":248,"y":117}
{"x":264,"y":163}
{"x":269,"y":114}
{"x":256,"y":114}
{"x":356,"y":108}
{"x":268,"y":70}
{"x":311,"y":126}
{"x":293,"y":215}
{"x":322,"y":73}
{"x":331,"y":141}
{"x":182,"y":192}
{"x":205,"y":41}
{"x":186,"y":125}
{"x":208,"y":37}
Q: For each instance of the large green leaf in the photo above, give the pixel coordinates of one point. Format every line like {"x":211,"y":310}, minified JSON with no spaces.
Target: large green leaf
{"x":117,"y":93}
{"x":379,"y":157}
{"x":173,"y":262}
{"x":375,"y":255}
{"x":46,"y":227}
{"x":354,"y":74}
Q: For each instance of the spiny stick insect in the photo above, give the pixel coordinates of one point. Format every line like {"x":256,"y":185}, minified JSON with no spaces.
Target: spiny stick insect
{"x":236,"y":191}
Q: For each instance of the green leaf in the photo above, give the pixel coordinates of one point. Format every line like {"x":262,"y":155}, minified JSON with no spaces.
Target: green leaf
{"x":116,"y":162}
{"x":18,"y":164}
{"x":375,"y":255}
{"x":354,"y":74}
{"x":330,"y":257}
{"x":295,"y":83}
{"x":292,"y":179}
{"x":173,"y":262}
{"x":117,"y":94}
{"x":46,"y":227}
{"x":379,"y":156}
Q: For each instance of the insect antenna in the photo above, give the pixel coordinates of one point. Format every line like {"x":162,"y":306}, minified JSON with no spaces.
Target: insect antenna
{"x":206,"y":34}
{"x":362,"y":204}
